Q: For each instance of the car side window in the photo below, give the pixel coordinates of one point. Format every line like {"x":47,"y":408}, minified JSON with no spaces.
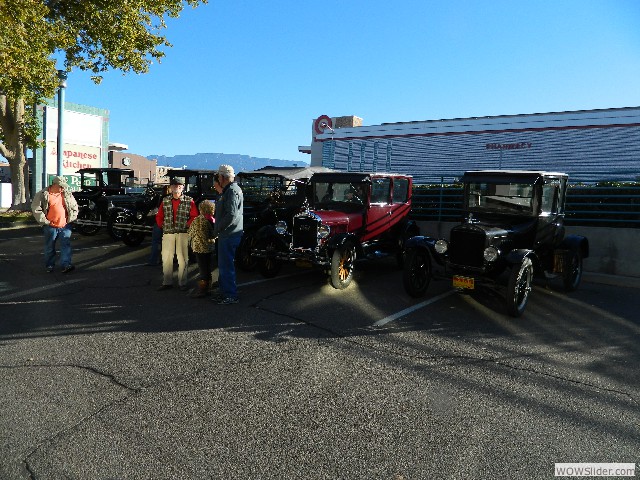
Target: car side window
{"x":380,"y":189}
{"x":400,"y":190}
{"x":549,"y":202}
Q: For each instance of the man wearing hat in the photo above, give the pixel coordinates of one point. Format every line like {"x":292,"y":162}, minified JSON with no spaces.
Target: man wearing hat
{"x":55,"y":208}
{"x":174,"y":216}
{"x":228,"y":228}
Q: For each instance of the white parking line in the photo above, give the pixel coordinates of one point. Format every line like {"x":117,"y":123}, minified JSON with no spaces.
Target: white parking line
{"x":413,"y":308}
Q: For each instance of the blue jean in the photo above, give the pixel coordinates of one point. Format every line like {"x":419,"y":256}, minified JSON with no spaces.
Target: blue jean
{"x":227,"y":247}
{"x":51,"y":235}
{"x":156,"y":242}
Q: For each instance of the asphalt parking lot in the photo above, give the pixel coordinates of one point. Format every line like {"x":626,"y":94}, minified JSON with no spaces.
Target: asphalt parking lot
{"x":103,"y":377}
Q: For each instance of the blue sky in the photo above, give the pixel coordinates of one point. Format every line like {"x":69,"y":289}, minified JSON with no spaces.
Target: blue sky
{"x":249,"y":77}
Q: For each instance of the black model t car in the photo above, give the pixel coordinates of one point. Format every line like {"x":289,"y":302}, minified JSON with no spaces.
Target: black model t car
{"x":198,"y":184}
{"x":514,"y":228}
{"x":271,"y":194}
{"x":350,"y":216}
{"x":132,"y":216}
{"x":96,"y":185}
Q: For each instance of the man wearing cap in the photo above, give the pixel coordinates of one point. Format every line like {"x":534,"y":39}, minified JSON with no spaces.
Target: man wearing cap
{"x":174,"y":216}
{"x":228,"y":229}
{"x":55,"y":208}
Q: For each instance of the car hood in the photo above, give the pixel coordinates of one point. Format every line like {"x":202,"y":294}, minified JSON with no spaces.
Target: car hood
{"x":488,"y":230}
{"x":332,"y":217}
{"x":500,"y":229}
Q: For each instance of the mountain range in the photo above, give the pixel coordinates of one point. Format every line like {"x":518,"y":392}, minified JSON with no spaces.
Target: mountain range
{"x":211,"y":161}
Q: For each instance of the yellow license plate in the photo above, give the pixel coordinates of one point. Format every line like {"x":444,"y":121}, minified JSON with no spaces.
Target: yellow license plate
{"x":304,"y":263}
{"x":463,"y":282}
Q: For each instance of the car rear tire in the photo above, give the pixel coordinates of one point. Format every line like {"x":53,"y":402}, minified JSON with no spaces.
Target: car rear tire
{"x":417,"y":272}
{"x":269,"y":266}
{"x":342,"y":264}
{"x":572,"y":272}
{"x":88,"y":230}
{"x":519,"y":287}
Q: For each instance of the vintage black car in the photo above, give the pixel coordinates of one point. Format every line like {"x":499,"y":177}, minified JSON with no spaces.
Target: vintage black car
{"x":132,"y":216}
{"x":198,"y":183}
{"x":96,"y":185}
{"x":513,"y":228}
{"x":271,"y":194}
{"x":349,"y":216}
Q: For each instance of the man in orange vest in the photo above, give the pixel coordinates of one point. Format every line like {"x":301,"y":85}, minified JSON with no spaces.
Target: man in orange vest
{"x":55,"y":208}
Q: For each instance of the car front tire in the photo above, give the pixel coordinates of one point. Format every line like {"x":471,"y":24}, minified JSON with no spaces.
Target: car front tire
{"x":269,"y":266}
{"x":246,"y":261}
{"x":342,"y":263}
{"x":519,"y":287}
{"x":417,"y":272}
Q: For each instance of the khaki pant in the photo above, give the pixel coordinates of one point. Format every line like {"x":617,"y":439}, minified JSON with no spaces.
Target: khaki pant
{"x":175,"y":244}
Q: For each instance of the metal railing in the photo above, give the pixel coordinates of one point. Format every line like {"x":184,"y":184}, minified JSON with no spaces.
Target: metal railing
{"x":607,"y":204}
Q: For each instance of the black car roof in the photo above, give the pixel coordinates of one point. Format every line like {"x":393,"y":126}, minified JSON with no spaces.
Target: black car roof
{"x":501,"y":175}
{"x":188,"y":172}
{"x":108,"y":170}
{"x":287,"y":172}
{"x":353,"y":177}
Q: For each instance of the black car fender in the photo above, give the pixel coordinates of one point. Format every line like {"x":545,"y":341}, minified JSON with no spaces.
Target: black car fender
{"x":341,"y":239}
{"x":577,"y":242}
{"x":270,"y":232}
{"x":514,"y":257}
{"x":409,"y":229}
{"x":266,"y":231}
{"x":113,"y":212}
{"x":425,"y":243}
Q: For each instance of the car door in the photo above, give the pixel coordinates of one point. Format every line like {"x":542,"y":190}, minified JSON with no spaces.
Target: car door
{"x":379,"y":208}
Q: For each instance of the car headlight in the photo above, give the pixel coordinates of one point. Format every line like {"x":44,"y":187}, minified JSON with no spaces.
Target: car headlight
{"x":110,"y":205}
{"x":491,"y":254}
{"x":281,"y":227}
{"x":441,"y":246}
{"x":91,"y":205}
{"x":139,"y":215}
{"x":323,"y":231}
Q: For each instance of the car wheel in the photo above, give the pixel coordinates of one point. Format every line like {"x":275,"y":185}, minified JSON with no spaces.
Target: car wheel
{"x":519,"y":287}
{"x":417,"y":272}
{"x":572,"y":273}
{"x":88,"y":216}
{"x":342,"y":263}
{"x":112,"y":227}
{"x":269,"y":266}
{"x":246,"y":261}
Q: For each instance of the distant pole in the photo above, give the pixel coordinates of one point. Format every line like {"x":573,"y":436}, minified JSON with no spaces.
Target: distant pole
{"x":62,"y":76}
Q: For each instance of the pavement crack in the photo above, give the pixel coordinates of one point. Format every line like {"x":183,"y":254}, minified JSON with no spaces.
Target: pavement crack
{"x":93,"y":370}
{"x":70,"y":428}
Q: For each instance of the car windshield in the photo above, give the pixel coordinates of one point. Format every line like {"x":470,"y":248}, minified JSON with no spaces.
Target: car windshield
{"x":259,"y":188}
{"x":501,"y":197}
{"x":338,"y":192}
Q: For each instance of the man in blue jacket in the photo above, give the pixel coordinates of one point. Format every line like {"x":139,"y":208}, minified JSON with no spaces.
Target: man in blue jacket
{"x":228,"y":229}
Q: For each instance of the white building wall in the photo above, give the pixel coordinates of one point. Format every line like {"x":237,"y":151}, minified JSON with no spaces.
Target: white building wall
{"x":589,"y":145}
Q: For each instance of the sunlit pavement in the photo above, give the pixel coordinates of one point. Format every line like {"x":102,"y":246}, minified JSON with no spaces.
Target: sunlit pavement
{"x":105,"y":377}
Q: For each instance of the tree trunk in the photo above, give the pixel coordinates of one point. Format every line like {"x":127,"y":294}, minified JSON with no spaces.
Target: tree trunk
{"x":13,"y":149}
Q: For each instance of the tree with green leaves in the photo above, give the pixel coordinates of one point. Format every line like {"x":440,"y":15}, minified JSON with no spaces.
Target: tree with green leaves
{"x":91,"y":35}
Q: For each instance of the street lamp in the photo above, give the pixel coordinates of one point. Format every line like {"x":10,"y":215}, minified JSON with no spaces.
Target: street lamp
{"x":62,"y":77}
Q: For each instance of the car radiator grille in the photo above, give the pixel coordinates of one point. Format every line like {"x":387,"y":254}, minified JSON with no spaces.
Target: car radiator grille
{"x":305,"y":232}
{"x":467,"y":248}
